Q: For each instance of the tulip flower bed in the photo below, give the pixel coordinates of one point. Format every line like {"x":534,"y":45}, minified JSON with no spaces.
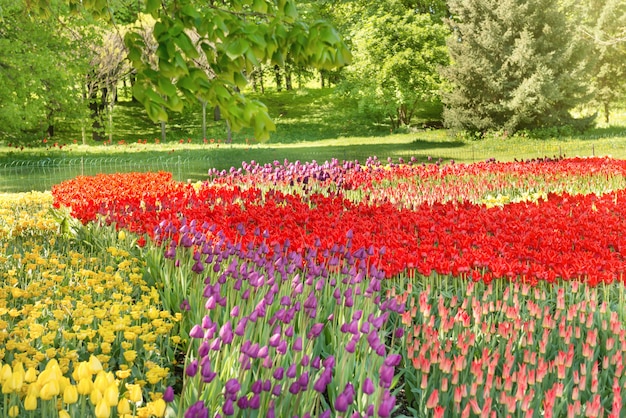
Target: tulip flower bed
{"x":305,"y":289}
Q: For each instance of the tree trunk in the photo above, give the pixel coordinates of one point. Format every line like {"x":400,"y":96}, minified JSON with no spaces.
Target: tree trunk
{"x":261,"y":81}
{"x":217,"y":114}
{"x":279,"y":80}
{"x":607,"y":112}
{"x":203,"y":120}
{"x":95,"y":120}
{"x":229,"y":133}
{"x":288,"y":84}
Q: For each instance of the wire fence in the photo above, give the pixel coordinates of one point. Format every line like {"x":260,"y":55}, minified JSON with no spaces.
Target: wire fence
{"x":42,"y":174}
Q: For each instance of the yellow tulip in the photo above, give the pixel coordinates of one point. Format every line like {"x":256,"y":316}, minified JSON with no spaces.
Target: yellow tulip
{"x":130,"y":355}
{"x":14,"y":411}
{"x":134,"y":393}
{"x":64,"y":414}
{"x":83,"y":371}
{"x":49,"y":390}
{"x":158,"y":407}
{"x":31,"y":375}
{"x":30,"y":402}
{"x":103,"y":410}
{"x":111,"y":395}
{"x":85,"y":386}
{"x":94,"y":364}
{"x":5,"y":373}
{"x":123,"y":407}
{"x":95,"y":396}
{"x":7,"y":387}
{"x":70,"y":394}
{"x":17,"y":379}
{"x":123,"y":374}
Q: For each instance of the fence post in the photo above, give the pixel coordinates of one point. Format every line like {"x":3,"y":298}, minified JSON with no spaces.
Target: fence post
{"x":593,"y":150}
{"x":180,"y":174}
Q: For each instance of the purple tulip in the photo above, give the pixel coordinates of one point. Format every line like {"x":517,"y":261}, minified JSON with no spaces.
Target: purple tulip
{"x":197,"y":410}
{"x":242,"y":402}
{"x":297,"y":345}
{"x":196,"y":332}
{"x":386,"y":376}
{"x":381,"y":350}
{"x":277,"y":389}
{"x":305,"y":360}
{"x":274,"y":340}
{"x":192,"y":368}
{"x":294,"y":388}
{"x":228,"y":408}
{"x":387,"y":405}
{"x":255,"y":401}
{"x":210,"y":303}
{"x":279,"y":373}
{"x":197,"y":267}
{"x":256,"y":386}
{"x":341,"y":403}
{"x":329,"y":362}
{"x":393,"y":360}
{"x":291,"y":371}
{"x":168,"y":395}
{"x":316,"y":363}
{"x":232,"y":386}
{"x":303,"y":380}
{"x":241,"y":326}
{"x":368,"y":386}
{"x":282,"y":347}
{"x":322,"y":381}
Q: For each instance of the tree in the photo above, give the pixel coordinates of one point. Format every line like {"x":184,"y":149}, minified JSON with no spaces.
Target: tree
{"x":610,"y":71}
{"x":236,"y":36}
{"x":397,"y":54}
{"x":515,"y":65}
{"x":39,"y":67}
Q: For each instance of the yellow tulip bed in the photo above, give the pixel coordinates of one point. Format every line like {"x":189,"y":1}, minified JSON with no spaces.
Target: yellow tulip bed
{"x":81,"y":334}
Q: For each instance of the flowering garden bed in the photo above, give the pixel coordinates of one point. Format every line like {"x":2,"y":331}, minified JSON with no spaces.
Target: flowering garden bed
{"x":335,"y":289}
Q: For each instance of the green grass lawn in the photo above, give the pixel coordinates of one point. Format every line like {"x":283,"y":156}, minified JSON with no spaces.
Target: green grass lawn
{"x":312,"y":124}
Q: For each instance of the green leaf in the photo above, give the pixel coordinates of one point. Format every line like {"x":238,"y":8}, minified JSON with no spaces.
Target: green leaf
{"x":152,"y":6}
{"x":259,"y":6}
{"x":237,"y":48}
{"x":155,"y":111}
{"x":175,"y":104}
{"x":290,"y":10}
{"x":166,"y":86}
{"x":185,"y":44}
{"x":161,"y":32}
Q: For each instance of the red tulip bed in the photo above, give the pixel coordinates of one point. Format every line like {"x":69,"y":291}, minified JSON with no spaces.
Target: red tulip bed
{"x":371,"y":289}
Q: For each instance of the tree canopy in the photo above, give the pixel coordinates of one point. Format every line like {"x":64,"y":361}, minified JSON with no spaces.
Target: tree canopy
{"x":234,"y":37}
{"x":397,"y":55}
{"x":515,"y":65}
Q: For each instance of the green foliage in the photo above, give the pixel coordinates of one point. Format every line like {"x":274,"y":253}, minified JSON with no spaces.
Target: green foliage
{"x":230,"y":39}
{"x":515,"y":65}
{"x":38,"y":72}
{"x":610,"y":70}
{"x":397,"y":53}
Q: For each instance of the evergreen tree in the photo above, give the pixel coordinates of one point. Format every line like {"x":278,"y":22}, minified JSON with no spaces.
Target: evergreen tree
{"x":609,"y":78}
{"x":516,"y":64}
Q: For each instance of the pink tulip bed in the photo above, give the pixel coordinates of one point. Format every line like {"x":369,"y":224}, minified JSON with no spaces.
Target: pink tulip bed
{"x":359,"y":289}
